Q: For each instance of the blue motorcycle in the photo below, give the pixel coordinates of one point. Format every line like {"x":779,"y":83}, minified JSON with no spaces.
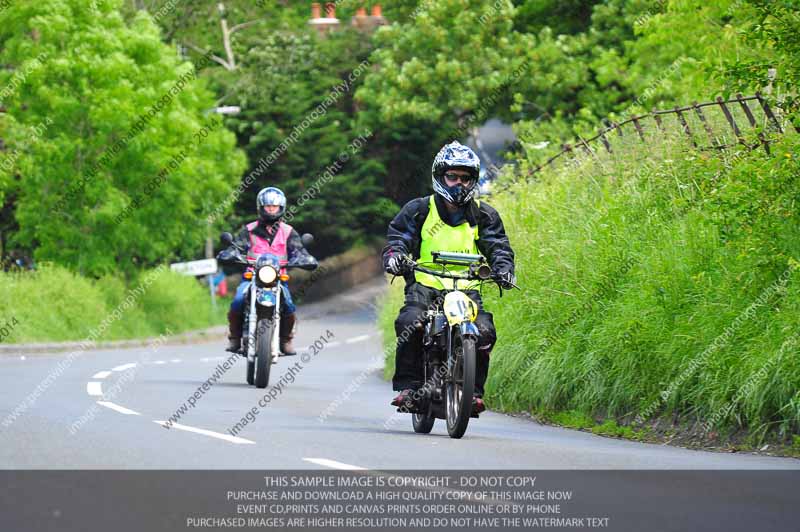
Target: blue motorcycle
{"x":262,"y":309}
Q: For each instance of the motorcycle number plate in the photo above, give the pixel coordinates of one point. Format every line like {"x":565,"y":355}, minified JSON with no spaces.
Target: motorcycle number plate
{"x":459,"y":308}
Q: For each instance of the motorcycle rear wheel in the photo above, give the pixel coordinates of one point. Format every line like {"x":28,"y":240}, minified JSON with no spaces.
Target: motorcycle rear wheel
{"x":251,"y":372}
{"x":423,"y":421}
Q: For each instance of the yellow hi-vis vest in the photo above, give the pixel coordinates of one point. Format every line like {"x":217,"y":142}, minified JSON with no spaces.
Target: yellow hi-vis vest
{"x":436,"y":235}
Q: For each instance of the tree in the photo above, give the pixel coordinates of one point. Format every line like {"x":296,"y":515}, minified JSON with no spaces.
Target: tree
{"x":562,"y":17}
{"x":129,"y":161}
{"x":449,"y":68}
{"x":295,"y":91}
{"x":774,"y":30}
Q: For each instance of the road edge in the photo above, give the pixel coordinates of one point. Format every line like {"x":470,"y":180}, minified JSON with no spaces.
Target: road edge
{"x":190,"y":337}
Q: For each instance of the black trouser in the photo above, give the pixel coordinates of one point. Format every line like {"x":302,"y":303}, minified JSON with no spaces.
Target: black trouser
{"x":409,"y":372}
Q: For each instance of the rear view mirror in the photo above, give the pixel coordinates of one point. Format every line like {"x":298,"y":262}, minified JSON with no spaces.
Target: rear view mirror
{"x":226,"y":238}
{"x":307,"y":239}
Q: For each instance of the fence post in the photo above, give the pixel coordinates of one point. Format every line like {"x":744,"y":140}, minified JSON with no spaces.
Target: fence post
{"x":731,"y":121}
{"x":604,"y":140}
{"x":752,"y":120}
{"x":658,"y":119}
{"x":685,"y":125}
{"x":768,"y":112}
{"x":702,"y":118}
{"x":638,"y":128}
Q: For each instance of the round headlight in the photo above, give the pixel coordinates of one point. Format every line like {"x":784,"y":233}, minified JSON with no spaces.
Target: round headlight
{"x":267,"y":274}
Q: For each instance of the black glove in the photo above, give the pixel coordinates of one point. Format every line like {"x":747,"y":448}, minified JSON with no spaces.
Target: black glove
{"x":506,"y":280}
{"x":398,"y":265}
{"x":228,"y":257}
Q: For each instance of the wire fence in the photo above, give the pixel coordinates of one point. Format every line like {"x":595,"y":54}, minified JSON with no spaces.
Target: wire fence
{"x":690,"y":120}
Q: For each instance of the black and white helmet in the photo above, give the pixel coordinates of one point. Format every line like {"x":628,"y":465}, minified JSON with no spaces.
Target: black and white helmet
{"x":451,"y":157}
{"x":270,"y":196}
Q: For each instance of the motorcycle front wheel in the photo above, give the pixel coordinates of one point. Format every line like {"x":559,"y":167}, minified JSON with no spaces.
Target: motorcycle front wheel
{"x":460,"y":383}
{"x":263,"y":363}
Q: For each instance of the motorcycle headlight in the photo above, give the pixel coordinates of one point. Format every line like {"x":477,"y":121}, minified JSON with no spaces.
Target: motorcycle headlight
{"x":267,"y":275}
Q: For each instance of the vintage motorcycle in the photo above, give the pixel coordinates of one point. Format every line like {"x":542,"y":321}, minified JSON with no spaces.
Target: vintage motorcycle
{"x":449,"y":347}
{"x":262,"y":315}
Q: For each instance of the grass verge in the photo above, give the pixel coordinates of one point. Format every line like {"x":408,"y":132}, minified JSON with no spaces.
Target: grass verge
{"x":660,"y":294}
{"x":54,"y":304}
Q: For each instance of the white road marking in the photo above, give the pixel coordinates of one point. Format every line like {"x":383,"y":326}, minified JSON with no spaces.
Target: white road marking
{"x":101,"y":374}
{"x":334,"y":464}
{"x":226,"y":437}
{"x":22,"y":357}
{"x":175,"y":360}
{"x":211,"y":359}
{"x":357,"y":339}
{"x":124,"y":367}
{"x":94,"y":388}
{"x":334,"y":344}
{"x":120,"y":409}
{"x":159,"y":362}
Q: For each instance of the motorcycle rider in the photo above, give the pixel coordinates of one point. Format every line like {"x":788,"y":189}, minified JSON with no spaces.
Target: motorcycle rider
{"x":449,"y":220}
{"x":268,"y":234}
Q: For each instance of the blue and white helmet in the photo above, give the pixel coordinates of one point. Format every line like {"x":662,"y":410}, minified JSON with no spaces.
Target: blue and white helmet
{"x":455,"y":156}
{"x":270,"y":196}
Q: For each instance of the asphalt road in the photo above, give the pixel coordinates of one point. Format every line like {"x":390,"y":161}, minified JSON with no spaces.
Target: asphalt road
{"x":106,"y":409}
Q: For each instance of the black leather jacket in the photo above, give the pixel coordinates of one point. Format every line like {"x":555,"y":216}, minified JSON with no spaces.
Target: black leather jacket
{"x":404,"y":234}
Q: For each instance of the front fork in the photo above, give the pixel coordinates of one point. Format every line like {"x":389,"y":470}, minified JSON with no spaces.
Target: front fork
{"x":276,"y":323}
{"x":467,"y":329}
{"x":252,"y":323}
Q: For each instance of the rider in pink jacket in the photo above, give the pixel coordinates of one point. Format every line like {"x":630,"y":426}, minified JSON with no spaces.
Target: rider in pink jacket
{"x":269,"y":234}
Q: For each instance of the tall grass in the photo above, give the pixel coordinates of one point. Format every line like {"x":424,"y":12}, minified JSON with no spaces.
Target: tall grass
{"x":635,"y":267}
{"x":55,"y":304}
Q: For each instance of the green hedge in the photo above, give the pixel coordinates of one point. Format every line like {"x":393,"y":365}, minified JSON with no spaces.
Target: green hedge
{"x":55,"y":304}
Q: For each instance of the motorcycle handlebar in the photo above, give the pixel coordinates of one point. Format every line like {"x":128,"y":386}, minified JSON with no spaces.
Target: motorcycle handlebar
{"x":247,"y":261}
{"x":469,"y":277}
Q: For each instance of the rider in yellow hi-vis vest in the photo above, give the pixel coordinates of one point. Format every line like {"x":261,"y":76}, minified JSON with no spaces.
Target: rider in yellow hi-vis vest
{"x":438,"y":236}
{"x":449,"y":220}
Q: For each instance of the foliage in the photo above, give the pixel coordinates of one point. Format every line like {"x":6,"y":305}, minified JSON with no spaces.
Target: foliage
{"x":639,"y":55}
{"x":297,"y":89}
{"x":387,"y":313}
{"x":446,"y":70}
{"x":703,"y":238}
{"x":96,"y":77}
{"x":69,"y":307}
{"x":629,"y":278}
{"x":775,"y":28}
{"x":562,"y":17}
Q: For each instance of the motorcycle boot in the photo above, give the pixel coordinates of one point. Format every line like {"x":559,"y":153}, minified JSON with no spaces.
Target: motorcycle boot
{"x":287,"y":330}
{"x":235,"y":324}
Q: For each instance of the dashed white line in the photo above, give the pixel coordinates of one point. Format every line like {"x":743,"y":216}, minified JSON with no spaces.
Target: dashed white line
{"x":175,"y":360}
{"x":357,"y":339}
{"x":211,"y":359}
{"x":94,"y":388}
{"x":334,"y":464}
{"x":187,"y":428}
{"x":120,"y":409}
{"x":334,"y":344}
{"x":101,"y":374}
{"x":159,"y":362}
{"x":124,"y":367}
